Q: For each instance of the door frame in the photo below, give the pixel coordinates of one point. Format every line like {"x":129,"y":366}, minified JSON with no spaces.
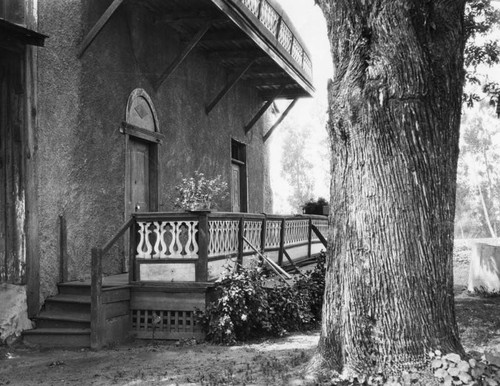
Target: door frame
{"x":153,"y":140}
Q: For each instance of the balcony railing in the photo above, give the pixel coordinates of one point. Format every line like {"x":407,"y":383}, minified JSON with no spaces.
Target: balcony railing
{"x":276,"y":24}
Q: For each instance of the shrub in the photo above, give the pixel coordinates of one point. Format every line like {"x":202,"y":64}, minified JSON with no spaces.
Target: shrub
{"x":200,"y":192}
{"x":314,"y":207}
{"x":246,"y":307}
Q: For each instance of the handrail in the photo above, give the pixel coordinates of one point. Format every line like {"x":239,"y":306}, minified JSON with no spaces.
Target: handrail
{"x":276,"y":268}
{"x":97,"y":315}
{"x":118,"y":234}
{"x":319,"y":234}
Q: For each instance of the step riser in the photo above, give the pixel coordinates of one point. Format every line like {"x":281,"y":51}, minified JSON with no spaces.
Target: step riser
{"x":67,"y":307}
{"x":74,"y":290}
{"x":51,"y":340}
{"x":47,"y":323}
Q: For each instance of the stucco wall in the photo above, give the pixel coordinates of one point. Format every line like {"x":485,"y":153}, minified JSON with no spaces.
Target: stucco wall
{"x":82,"y":104}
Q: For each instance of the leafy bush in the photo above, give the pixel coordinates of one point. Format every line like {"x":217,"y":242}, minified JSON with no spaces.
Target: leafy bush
{"x":200,"y":192}
{"x":314,"y":207}
{"x":245,"y":306}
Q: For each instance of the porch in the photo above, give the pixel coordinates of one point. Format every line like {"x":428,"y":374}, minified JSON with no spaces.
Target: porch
{"x":174,"y":258}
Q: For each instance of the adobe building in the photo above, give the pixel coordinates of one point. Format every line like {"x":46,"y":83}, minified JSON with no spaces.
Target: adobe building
{"x":107,"y":104}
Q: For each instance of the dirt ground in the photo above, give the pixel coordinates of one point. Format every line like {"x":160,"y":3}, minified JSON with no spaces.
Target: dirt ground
{"x":270,"y":362}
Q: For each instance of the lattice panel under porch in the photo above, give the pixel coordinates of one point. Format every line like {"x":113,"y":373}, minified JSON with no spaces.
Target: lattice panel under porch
{"x":167,"y":239}
{"x":297,"y":231}
{"x":223,"y":237}
{"x":166,"y":324}
{"x":252,"y":233}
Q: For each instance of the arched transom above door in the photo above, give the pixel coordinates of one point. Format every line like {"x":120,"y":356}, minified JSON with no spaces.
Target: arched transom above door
{"x":141,"y":112}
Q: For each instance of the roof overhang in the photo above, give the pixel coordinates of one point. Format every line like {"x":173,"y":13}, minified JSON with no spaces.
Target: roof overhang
{"x":244,"y":31}
{"x":24,"y":35}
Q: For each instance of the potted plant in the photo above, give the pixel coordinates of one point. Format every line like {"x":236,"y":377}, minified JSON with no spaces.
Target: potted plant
{"x":199,"y":193}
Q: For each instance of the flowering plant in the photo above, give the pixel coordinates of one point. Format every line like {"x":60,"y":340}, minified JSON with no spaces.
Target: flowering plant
{"x":200,"y":192}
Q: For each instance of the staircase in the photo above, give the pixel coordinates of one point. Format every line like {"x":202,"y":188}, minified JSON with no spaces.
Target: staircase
{"x":64,"y":320}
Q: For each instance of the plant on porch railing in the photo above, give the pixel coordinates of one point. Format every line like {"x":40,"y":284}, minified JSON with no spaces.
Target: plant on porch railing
{"x":200,"y":193}
{"x":246,"y":307}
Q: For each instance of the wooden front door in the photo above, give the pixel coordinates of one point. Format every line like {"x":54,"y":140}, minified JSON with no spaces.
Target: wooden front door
{"x":139,"y":183}
{"x":12,"y":181}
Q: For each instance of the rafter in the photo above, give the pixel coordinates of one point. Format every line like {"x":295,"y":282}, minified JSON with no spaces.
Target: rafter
{"x":228,"y":87}
{"x":262,"y":110}
{"x":89,"y":38}
{"x":280,"y":119}
{"x":180,"y":58}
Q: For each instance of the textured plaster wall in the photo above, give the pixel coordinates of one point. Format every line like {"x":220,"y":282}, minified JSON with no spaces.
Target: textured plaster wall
{"x":82,"y":104}
{"x":59,"y":77}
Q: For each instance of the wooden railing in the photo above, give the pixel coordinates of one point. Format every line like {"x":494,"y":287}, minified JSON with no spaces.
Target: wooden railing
{"x":196,"y":246}
{"x":280,"y":29}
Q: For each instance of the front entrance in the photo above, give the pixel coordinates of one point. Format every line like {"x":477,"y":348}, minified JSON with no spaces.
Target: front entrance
{"x":141,"y":127}
{"x":12,"y":181}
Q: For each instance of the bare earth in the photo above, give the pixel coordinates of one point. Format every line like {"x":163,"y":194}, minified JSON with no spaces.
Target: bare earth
{"x":270,"y":362}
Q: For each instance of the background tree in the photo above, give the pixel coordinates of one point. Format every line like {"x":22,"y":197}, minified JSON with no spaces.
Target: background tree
{"x":394,"y":116}
{"x":296,"y":168}
{"x":478,"y":184}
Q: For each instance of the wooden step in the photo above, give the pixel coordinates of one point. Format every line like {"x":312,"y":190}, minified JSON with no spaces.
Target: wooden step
{"x":68,"y":303}
{"x":57,"y":337}
{"x":58,"y":319}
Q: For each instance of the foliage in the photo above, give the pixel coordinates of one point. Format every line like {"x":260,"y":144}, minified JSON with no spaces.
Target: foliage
{"x":314,"y":206}
{"x":245,"y":306}
{"x":296,"y":168}
{"x":480,"y":19}
{"x":200,"y":192}
{"x":452,"y":369}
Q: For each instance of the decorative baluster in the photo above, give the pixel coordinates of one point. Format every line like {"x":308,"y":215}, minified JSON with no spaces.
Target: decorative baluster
{"x":177,"y":249}
{"x":172,"y":242}
{"x":144,"y":233}
{"x":160,"y":247}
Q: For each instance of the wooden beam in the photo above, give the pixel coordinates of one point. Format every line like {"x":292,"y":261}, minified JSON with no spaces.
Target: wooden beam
{"x":227,"y":35}
{"x":228,"y":87}
{"x":139,"y":132}
{"x":280,"y":119}
{"x":180,"y":58}
{"x":263,"y":109}
{"x":98,"y":27}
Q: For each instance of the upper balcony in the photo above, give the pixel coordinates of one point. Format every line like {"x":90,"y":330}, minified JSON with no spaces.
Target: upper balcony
{"x":241,"y":33}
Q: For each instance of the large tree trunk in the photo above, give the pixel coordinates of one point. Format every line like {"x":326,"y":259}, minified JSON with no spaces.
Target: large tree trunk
{"x":395,"y":104}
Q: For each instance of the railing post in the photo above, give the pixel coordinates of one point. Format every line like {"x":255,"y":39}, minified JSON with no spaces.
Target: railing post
{"x":309,"y":238}
{"x":263,"y":234}
{"x":97,"y":317}
{"x":201,"y":274}
{"x":132,"y":251}
{"x":63,"y":248}
{"x":241,"y":233}
{"x":282,"y":243}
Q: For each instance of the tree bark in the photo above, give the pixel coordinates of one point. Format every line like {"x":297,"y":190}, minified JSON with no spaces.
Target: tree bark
{"x":394,"y":116}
